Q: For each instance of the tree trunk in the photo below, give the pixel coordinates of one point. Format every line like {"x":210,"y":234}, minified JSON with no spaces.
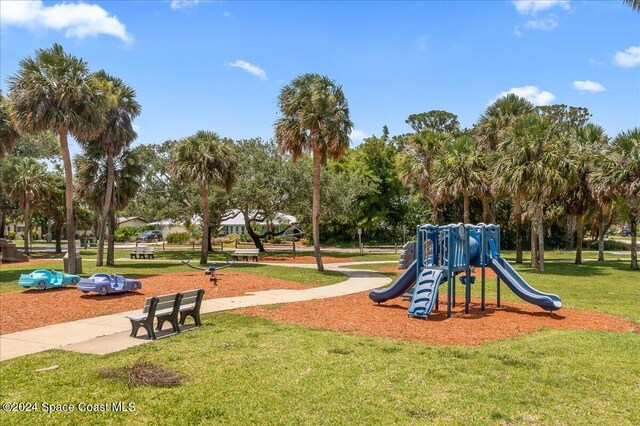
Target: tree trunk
{"x":633,"y":222}
{"x":102,"y":222}
{"x":68,"y":196}
{"x":486,"y":211}
{"x":601,"y":223}
{"x":58,"y":236}
{"x":534,"y":241}
{"x":112,"y":224}
{"x":2,"y":225}
{"x":579,"y":236}
{"x":209,"y":247}
{"x":315,"y":207}
{"x":466,"y":215}
{"x":435,"y":216}
{"x":204,"y":249}
{"x":27,"y":224}
{"x":540,"y":220}
{"x":256,"y":239}
{"x":517,"y":213}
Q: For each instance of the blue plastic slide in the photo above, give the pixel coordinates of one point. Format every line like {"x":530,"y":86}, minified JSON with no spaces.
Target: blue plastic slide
{"x":425,"y":293}
{"x":398,"y":288}
{"x":519,"y":286}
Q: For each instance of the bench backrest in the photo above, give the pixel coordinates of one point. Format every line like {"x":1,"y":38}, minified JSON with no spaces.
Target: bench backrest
{"x":247,"y":251}
{"x":150,"y":305}
{"x":191,"y":296}
{"x":168,"y":301}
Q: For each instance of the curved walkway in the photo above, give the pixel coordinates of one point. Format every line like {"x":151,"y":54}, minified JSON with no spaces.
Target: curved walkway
{"x":110,"y":333}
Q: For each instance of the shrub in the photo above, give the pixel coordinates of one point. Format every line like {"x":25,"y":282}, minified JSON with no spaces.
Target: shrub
{"x":126,"y":233}
{"x":610,"y":245}
{"x":11,"y":235}
{"x":178,"y":238}
{"x":234,"y":237}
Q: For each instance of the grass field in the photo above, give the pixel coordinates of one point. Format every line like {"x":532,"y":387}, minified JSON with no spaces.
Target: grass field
{"x":244,"y":370}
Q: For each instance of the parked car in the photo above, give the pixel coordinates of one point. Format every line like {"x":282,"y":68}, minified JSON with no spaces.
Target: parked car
{"x":626,"y":232}
{"x":108,"y":283}
{"x":43,"y":279}
{"x":147,"y":236}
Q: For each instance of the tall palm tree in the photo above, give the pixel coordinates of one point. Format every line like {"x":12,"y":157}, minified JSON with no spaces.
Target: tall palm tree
{"x":634,"y":4}
{"x":206,"y":159}
{"x":491,"y":130}
{"x":618,"y":172}
{"x":315,"y":119}
{"x":459,"y":170}
{"x":116,"y":135}
{"x":415,"y":165}
{"x":92,"y":175}
{"x":28,"y":183}
{"x":8,"y":133}
{"x":55,"y":91}
{"x":533,"y":161}
{"x":588,"y":141}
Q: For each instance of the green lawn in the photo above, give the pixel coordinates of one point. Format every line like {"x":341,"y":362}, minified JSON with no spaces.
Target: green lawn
{"x":138,"y":269}
{"x":243,"y":370}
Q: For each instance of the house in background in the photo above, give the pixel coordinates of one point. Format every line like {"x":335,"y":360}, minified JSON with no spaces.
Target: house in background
{"x":168,"y":227}
{"x":235,"y":224}
{"x":130,"y":221}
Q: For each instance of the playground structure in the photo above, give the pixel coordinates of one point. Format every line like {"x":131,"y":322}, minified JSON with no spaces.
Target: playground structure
{"x":444,"y":252}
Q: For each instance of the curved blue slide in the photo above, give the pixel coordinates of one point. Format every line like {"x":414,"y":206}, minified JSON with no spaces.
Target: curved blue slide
{"x":519,"y":286}
{"x":398,"y":288}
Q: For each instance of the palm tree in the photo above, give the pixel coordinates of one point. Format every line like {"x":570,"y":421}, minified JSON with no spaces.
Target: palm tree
{"x":416,"y":162}
{"x":28,"y":183}
{"x":8,"y":133}
{"x":315,"y":119}
{"x":634,"y":4}
{"x":92,"y":175}
{"x":459,"y":171}
{"x":618,"y":172}
{"x":206,"y":159}
{"x":116,"y":135}
{"x":491,"y":130}
{"x":588,"y":141}
{"x":55,"y":91}
{"x":533,"y":162}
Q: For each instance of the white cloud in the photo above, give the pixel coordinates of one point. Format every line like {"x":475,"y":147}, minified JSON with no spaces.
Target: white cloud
{"x":250,"y":68}
{"x":588,"y":86}
{"x":183,"y":4}
{"x":526,"y":7}
{"x":547,"y":24}
{"x":226,"y":14}
{"x":629,"y":58}
{"x":75,"y":19}
{"x":531,"y":93}
{"x":594,"y":62}
{"x":358,"y":135}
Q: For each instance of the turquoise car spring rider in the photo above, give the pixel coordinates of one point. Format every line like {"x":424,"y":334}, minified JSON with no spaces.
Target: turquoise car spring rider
{"x":43,"y":279}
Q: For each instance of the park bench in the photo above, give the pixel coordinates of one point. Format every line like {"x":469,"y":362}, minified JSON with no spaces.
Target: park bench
{"x":245,"y":254}
{"x":174,"y":308}
{"x":142,"y":253}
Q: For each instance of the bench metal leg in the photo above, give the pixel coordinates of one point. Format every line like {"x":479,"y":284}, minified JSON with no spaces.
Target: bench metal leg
{"x":194,"y":315}
{"x":135,"y":326}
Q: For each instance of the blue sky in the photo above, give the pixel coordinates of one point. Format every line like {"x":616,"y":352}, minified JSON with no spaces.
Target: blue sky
{"x":220,"y":65}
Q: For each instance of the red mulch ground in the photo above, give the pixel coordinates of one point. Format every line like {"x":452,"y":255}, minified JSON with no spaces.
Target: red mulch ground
{"x":357,"y":314}
{"x":35,"y":308}
{"x":306,"y":259}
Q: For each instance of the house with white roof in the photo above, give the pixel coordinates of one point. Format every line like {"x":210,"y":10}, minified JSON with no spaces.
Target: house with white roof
{"x":235,"y":222}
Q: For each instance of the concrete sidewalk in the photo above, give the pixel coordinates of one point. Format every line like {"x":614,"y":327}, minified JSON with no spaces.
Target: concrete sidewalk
{"x":110,"y":333}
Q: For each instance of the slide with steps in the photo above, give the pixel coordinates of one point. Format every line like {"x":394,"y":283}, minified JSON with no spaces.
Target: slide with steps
{"x":425,"y":293}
